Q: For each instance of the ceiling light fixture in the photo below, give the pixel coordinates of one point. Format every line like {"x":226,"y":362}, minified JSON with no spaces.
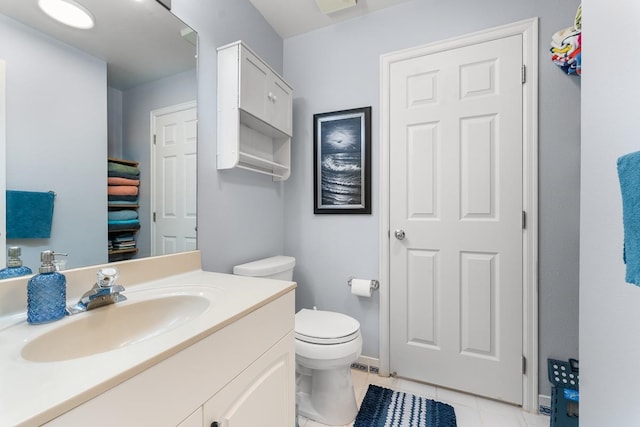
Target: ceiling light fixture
{"x":68,"y":12}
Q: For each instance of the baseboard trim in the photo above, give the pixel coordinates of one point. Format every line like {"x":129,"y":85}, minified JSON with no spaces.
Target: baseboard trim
{"x":544,"y":404}
{"x":366,"y":364}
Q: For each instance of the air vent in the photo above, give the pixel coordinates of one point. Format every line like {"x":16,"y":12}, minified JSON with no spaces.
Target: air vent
{"x":330,"y":6}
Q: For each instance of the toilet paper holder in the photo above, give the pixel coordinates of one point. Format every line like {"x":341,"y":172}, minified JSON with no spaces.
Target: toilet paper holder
{"x":374,"y":283}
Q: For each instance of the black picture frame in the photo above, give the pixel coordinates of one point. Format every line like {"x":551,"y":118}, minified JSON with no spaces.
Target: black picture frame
{"x":342,"y":162}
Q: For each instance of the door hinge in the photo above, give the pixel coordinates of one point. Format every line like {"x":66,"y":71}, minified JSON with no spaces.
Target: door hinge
{"x":524,"y":74}
{"x":154,"y":217}
{"x":154,"y":139}
{"x":524,"y":220}
{"x":524,"y":365}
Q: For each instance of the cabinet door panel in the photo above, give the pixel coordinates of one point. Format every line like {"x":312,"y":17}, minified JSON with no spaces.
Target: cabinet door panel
{"x":193,"y":420}
{"x":255,"y":80}
{"x":263,"y":395}
{"x":281,"y":105}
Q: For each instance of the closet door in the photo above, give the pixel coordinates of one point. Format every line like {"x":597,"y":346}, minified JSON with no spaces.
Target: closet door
{"x":456,"y":203}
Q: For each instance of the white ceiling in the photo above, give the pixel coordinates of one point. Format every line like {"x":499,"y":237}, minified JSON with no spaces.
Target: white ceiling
{"x":293,"y":17}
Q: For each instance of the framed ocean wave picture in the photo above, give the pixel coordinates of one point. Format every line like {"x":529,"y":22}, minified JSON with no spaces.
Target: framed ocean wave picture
{"x":342,"y":162}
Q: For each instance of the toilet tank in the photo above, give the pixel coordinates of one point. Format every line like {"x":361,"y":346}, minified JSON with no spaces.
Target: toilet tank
{"x":277,"y":267}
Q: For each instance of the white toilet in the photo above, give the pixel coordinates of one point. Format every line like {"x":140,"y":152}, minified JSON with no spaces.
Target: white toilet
{"x":327,"y":343}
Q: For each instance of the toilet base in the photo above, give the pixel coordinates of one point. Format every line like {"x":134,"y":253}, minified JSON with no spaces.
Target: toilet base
{"x":327,"y":396}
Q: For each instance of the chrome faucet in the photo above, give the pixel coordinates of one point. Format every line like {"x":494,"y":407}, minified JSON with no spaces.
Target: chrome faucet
{"x":103,"y":292}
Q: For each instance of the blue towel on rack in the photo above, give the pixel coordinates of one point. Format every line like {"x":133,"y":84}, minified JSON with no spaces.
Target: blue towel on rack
{"x":29,"y":214}
{"x":629,"y":176}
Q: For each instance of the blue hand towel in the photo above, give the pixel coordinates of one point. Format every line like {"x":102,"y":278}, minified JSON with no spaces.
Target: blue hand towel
{"x":629,"y":176}
{"x":29,"y":214}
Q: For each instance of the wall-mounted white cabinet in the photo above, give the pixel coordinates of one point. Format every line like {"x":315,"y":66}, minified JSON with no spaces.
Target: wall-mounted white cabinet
{"x":255,"y":114}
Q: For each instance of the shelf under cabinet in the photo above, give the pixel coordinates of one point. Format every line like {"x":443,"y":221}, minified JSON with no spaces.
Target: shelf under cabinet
{"x":258,"y":164}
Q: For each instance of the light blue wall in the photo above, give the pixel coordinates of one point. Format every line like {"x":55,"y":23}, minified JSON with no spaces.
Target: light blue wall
{"x":338,"y":68}
{"x":240,"y":213}
{"x":54,"y":118}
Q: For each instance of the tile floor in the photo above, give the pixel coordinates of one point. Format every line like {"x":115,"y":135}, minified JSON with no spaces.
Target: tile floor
{"x":471,"y":411}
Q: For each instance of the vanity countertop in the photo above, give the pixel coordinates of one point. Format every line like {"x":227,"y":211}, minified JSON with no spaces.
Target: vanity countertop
{"x":32,"y":393}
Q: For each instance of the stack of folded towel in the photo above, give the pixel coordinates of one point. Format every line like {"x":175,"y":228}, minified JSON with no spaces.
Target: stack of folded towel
{"x":123,"y":241}
{"x":566,"y":47}
{"x":123,"y":182}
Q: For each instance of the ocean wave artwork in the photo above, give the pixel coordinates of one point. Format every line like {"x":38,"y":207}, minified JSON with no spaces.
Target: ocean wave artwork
{"x":342,"y":179}
{"x":341,"y":162}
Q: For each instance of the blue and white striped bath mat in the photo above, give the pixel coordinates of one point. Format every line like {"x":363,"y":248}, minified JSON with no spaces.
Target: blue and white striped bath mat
{"x":382,"y":407}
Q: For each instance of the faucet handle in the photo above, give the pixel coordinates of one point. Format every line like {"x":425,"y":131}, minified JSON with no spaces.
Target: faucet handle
{"x":107,"y":277}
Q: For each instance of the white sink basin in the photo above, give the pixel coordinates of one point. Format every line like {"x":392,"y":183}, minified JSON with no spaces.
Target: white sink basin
{"x":114,"y":326}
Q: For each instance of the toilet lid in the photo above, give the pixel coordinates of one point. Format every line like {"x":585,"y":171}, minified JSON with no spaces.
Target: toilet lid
{"x":325,"y":327}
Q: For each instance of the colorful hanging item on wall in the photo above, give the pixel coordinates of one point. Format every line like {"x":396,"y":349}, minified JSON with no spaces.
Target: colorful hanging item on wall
{"x":566,"y":47}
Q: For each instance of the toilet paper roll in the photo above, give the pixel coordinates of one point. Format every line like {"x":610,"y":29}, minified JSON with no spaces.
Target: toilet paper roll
{"x":361,"y":287}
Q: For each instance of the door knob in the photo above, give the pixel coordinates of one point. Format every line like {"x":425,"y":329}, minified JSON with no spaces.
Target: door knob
{"x":399,"y":234}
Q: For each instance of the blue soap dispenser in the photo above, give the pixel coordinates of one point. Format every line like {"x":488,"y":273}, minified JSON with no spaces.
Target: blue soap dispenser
{"x":46,"y":292}
{"x":14,"y":264}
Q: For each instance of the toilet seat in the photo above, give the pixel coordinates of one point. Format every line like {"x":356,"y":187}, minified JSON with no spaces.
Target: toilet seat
{"x":325,"y":327}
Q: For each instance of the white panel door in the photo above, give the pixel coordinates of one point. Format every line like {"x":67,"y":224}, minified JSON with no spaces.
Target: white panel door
{"x":175,"y":180}
{"x":456,"y":193}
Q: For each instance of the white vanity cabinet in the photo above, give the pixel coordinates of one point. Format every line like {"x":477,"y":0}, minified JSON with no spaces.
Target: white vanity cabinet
{"x":243,"y":374}
{"x":255,"y":114}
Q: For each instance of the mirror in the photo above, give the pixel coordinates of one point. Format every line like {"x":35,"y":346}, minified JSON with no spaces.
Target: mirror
{"x":77,"y":97}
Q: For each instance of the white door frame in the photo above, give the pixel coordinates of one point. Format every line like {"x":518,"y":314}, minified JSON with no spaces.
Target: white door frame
{"x":154,"y":114}
{"x":529,"y":31}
